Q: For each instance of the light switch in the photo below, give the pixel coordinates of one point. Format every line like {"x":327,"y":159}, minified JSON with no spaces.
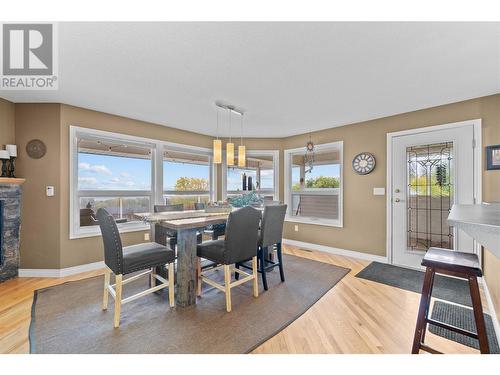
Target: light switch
{"x":296,"y":228}
{"x":378,"y":191}
{"x":49,"y":191}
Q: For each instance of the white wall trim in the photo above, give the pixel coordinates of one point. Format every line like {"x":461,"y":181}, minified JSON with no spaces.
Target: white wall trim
{"x":45,"y":272}
{"x":491,"y":308}
{"x":477,"y":126}
{"x":336,"y":251}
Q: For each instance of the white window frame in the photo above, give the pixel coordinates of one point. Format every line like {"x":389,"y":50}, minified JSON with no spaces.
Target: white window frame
{"x":156,"y":192}
{"x":275,"y":154}
{"x":339,"y":145}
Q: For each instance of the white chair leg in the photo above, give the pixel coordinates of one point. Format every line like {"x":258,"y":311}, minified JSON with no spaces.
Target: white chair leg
{"x":105,"y":296}
{"x":227,"y":286}
{"x":255,"y":277}
{"x":171,"y":279}
{"x":118,"y":299}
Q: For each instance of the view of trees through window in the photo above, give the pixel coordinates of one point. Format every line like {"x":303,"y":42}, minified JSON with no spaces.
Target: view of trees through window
{"x":186,"y":180}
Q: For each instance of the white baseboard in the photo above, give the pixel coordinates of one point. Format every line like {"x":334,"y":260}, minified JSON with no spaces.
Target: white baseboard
{"x":336,"y":251}
{"x":491,"y":308}
{"x":45,"y":272}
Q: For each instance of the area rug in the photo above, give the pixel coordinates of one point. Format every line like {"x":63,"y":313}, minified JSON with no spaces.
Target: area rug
{"x":446,"y":288}
{"x":461,"y":317}
{"x":68,"y":318}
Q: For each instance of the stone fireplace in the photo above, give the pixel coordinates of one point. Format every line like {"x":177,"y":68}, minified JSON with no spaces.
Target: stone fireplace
{"x":10,"y":222}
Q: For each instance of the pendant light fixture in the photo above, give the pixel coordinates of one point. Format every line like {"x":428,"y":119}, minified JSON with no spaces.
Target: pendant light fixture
{"x":217,"y":143}
{"x":241,"y":148}
{"x":230,"y":144}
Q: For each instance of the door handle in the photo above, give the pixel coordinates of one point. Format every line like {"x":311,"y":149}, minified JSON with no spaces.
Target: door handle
{"x":397,"y":200}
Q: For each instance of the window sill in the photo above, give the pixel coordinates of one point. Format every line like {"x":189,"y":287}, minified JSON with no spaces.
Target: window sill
{"x":314,"y":221}
{"x":94,"y":230}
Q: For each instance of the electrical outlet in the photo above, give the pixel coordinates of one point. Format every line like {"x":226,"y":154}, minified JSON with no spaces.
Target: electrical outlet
{"x":146,"y":236}
{"x":296,"y":228}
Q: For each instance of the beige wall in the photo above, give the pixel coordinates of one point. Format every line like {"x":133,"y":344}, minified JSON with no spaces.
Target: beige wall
{"x":41,"y":221}
{"x":45,"y":232}
{"x":7,"y":122}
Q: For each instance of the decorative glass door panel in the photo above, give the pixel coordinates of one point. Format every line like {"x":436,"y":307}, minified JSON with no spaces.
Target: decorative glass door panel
{"x":430,"y":192}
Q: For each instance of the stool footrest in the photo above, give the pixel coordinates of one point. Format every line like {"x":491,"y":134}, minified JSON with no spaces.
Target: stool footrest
{"x":428,"y":349}
{"x":453,"y":328}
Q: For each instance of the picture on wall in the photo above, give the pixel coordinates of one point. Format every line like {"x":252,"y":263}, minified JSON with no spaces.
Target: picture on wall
{"x":493,"y":157}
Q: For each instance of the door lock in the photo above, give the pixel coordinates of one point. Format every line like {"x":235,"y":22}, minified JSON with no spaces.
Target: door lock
{"x":397,"y":200}
{"x":397,"y":191}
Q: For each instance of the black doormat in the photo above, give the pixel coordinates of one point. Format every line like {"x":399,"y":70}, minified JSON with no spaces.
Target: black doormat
{"x":461,"y":317}
{"x":446,"y":288}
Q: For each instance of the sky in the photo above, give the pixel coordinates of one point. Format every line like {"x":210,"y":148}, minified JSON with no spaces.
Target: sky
{"x":104,"y":172}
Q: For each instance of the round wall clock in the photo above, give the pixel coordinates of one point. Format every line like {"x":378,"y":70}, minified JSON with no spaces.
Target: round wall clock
{"x":36,"y":149}
{"x":363,"y":163}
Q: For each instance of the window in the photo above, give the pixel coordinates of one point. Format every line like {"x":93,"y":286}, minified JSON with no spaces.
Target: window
{"x":128,"y":175}
{"x":260,"y":172}
{"x":186,"y":178}
{"x":314,"y":194}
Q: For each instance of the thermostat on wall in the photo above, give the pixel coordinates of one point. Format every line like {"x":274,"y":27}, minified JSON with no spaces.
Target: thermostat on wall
{"x":49,"y":191}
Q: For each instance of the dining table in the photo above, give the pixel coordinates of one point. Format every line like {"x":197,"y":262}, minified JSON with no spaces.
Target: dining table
{"x":187,"y":224}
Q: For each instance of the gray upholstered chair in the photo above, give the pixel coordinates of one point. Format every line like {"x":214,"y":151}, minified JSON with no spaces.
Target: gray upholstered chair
{"x":125,"y":260}
{"x":270,"y":235}
{"x":239,"y":244}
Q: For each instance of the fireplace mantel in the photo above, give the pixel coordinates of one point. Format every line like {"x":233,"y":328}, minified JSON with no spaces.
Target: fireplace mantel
{"x":10,"y":180}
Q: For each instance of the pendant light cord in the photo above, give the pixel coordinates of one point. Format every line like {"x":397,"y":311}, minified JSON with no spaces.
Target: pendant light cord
{"x":229,"y":125}
{"x":241,"y":133}
{"x":217,"y":111}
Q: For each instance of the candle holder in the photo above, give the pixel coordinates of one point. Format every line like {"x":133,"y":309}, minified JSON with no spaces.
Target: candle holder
{"x":4,"y":168}
{"x":12,"y":167}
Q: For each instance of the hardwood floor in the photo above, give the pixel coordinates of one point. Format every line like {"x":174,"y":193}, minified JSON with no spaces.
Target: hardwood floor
{"x":356,"y":316}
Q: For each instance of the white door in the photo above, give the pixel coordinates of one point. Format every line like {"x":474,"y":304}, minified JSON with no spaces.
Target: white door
{"x":431,"y":170}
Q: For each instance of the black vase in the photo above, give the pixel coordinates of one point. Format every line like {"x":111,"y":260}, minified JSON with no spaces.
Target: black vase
{"x":4,"y":168}
{"x":244,"y":181}
{"x":11,"y":167}
{"x":250,"y":183}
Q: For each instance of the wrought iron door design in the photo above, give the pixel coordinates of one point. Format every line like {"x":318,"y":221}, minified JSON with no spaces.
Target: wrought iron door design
{"x":429,"y":196}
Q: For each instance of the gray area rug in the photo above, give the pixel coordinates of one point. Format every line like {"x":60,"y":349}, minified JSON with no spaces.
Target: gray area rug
{"x":461,"y":317}
{"x":68,"y":318}
{"x":447,"y":288}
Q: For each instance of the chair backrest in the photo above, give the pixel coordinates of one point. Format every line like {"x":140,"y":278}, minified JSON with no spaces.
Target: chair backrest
{"x":242,"y":234}
{"x":168,"y":207}
{"x":199,"y":206}
{"x":271,"y":229}
{"x":113,"y":250}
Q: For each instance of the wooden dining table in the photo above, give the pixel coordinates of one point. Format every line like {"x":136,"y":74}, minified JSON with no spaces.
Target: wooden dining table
{"x":187,"y":224}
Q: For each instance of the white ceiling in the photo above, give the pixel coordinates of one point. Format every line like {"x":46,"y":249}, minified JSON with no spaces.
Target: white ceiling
{"x":290,"y":78}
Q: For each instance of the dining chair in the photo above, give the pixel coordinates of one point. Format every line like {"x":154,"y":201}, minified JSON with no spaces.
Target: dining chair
{"x":121,"y":261}
{"x":238,"y":245}
{"x":163,"y":235}
{"x":270,"y":235}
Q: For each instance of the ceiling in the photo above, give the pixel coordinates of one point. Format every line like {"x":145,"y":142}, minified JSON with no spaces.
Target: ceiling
{"x":290,"y":78}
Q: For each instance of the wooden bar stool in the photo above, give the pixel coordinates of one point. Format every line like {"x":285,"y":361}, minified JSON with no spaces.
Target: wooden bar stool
{"x":458,"y":264}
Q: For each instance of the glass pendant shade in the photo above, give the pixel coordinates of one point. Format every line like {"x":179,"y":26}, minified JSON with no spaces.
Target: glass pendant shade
{"x":230,"y":153}
{"x":241,"y":156}
{"x":217,"y":151}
